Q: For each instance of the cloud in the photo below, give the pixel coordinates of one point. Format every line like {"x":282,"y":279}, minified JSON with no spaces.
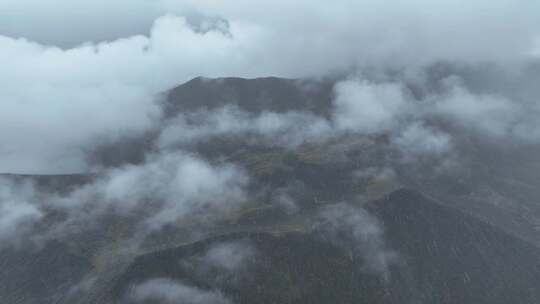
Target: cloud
{"x":58,"y":102}
{"x":344,"y":33}
{"x":285,"y":129}
{"x":179,"y":185}
{"x":455,"y":106}
{"x":168,"y":291}
{"x":375,"y":173}
{"x":167,"y":189}
{"x":224,"y":263}
{"x":489,"y":115}
{"x":171,"y":185}
{"x":19,"y":211}
{"x":417,"y":139}
{"x":230,"y":256}
{"x":367,"y":107}
{"x":361,"y":107}
{"x":282,"y":198}
{"x":357,"y":230}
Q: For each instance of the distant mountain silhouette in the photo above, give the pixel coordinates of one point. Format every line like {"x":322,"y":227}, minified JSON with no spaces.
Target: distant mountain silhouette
{"x":252,"y":95}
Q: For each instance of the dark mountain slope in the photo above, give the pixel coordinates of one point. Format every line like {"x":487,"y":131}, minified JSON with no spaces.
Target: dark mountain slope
{"x":40,"y":276}
{"x":445,"y":256}
{"x":451,"y":257}
{"x":252,"y":95}
{"x":51,"y":183}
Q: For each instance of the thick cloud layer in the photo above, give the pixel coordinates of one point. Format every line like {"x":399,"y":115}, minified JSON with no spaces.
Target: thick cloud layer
{"x":356,"y":30}
{"x":56,"y":103}
{"x":168,"y":291}
{"x":18,"y":211}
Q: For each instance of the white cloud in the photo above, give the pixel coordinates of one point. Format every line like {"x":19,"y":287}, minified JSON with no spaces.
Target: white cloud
{"x":488,"y":114}
{"x":346,"y":31}
{"x":19,"y":211}
{"x":284,"y":200}
{"x":368,"y":32}
{"x":167,"y":291}
{"x":167,"y":189}
{"x":366,"y":107}
{"x":286,"y":129}
{"x":229,"y":256}
{"x":418,"y":139}
{"x":358,"y":231}
{"x":58,"y":102}
{"x":360,"y":108}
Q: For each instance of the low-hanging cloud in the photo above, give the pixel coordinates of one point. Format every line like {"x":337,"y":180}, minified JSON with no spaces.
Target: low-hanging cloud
{"x":18,"y":211}
{"x":168,"y":291}
{"x":359,"y":232}
{"x":360,"y":108}
{"x":417,"y":139}
{"x":167,"y":189}
{"x":59,"y":102}
{"x":368,"y":107}
{"x":287,"y":129}
{"x":230,"y":256}
{"x":491,"y":115}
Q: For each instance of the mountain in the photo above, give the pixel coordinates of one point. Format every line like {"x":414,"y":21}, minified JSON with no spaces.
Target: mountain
{"x":445,"y":256}
{"x":462,"y":236}
{"x":252,"y":95}
{"x":495,"y":183}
